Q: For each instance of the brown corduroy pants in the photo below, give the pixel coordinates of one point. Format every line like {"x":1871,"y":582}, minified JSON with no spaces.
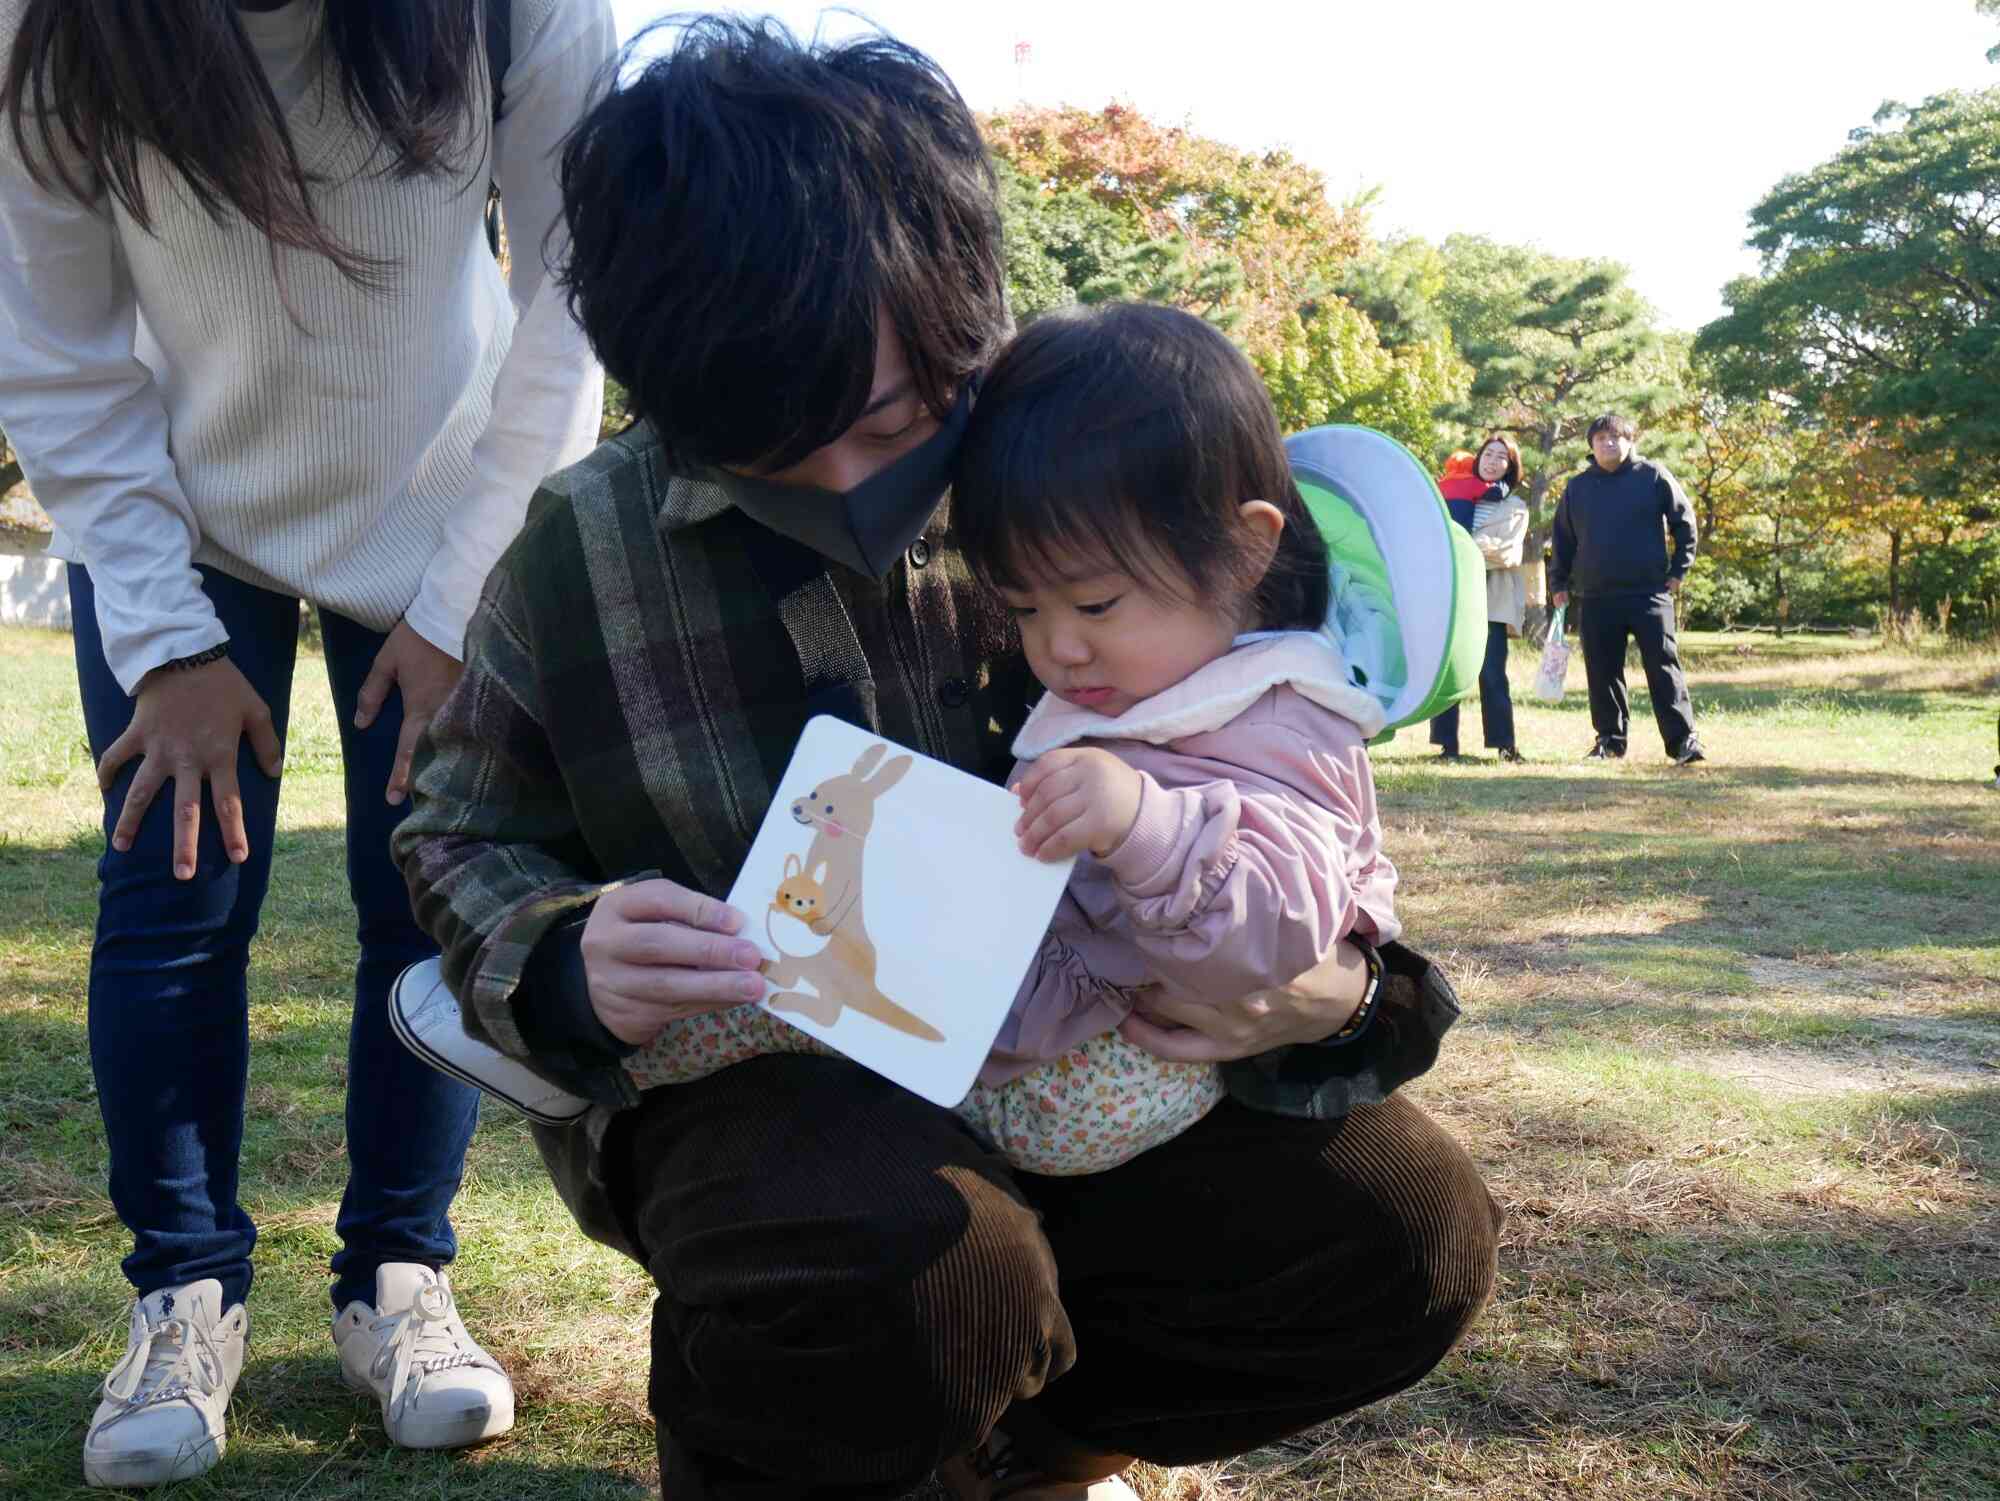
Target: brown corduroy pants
{"x":852,"y":1289}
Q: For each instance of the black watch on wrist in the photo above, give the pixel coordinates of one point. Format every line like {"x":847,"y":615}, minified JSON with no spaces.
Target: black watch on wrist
{"x":202,"y":658}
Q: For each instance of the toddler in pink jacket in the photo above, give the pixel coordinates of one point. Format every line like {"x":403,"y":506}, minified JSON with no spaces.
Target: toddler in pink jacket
{"x":1124,"y":487}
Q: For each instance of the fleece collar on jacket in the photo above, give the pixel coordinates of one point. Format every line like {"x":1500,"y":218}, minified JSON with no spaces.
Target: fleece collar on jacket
{"x":1209,"y":698}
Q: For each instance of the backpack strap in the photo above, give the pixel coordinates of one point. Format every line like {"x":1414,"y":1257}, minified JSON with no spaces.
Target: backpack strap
{"x":499,"y":54}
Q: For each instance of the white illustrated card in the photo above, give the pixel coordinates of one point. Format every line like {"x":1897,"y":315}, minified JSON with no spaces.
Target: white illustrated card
{"x":898,"y":915}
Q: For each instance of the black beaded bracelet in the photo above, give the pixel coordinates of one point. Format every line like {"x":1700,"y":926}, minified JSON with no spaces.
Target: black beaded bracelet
{"x":214,"y":653}
{"x":1366,"y":1010}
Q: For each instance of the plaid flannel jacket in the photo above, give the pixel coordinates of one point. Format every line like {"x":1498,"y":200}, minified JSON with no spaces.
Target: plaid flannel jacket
{"x":642,"y":663}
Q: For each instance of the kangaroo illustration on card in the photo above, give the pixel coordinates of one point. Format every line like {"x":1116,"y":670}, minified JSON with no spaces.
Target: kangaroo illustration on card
{"x":840,"y":810}
{"x":898,"y":917}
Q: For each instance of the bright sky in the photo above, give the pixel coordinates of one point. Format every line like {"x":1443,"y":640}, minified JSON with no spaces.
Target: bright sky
{"x":1643,"y":133}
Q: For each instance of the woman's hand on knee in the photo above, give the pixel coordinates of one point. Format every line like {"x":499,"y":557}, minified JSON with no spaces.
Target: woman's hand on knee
{"x":186,"y":725}
{"x":1310,"y":1009}
{"x":425,"y":676}
{"x":655,"y":951}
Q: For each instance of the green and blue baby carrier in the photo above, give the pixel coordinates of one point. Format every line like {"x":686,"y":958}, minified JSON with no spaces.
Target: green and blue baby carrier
{"x":1409,"y":588}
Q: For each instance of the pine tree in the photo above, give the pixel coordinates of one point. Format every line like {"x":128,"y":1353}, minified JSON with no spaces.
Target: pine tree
{"x":1552,"y":344}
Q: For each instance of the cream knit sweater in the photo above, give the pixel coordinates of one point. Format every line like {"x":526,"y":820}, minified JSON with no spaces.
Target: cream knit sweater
{"x":181,"y":398}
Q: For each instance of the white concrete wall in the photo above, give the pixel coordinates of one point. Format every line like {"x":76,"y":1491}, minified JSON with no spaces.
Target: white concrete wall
{"x":34,"y":590}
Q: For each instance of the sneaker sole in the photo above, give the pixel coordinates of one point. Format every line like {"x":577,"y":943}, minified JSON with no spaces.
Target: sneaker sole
{"x":400,"y":1025}
{"x":448,"y":1433}
{"x":130,"y":1471}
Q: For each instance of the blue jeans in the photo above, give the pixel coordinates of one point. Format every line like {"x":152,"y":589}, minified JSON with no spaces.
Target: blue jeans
{"x":1496,"y":704}
{"x":169,"y":1007}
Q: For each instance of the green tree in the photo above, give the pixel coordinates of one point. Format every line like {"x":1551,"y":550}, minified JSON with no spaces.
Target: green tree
{"x":1725,"y":450}
{"x":10,"y":466}
{"x":1248,"y":240}
{"x":1878,"y":299}
{"x":1264,"y":210}
{"x":1167,"y":271}
{"x":1058,"y":241}
{"x":1551,"y":343}
{"x":1400,"y":285}
{"x":1737,"y":451}
{"x":1329,"y":364}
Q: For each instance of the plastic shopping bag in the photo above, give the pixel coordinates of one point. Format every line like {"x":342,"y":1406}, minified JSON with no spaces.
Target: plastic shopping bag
{"x":1549,"y":678}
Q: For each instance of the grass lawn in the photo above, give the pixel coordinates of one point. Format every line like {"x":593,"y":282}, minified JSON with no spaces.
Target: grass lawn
{"x":1731,"y":1060}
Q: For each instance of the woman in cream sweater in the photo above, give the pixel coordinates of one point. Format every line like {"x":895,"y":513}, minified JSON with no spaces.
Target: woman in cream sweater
{"x":254,"y":349}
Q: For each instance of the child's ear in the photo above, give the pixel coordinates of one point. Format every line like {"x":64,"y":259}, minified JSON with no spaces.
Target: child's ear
{"x":1263,"y":518}
{"x":1266,"y":523}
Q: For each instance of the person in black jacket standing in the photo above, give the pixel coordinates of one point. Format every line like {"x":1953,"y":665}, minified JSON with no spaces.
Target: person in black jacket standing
{"x":1611,"y":554}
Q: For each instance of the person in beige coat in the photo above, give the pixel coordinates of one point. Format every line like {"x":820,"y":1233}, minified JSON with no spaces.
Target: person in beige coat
{"x":1499,"y":527}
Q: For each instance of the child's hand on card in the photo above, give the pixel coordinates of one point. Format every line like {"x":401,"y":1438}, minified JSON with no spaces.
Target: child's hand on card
{"x":1076,"y":800}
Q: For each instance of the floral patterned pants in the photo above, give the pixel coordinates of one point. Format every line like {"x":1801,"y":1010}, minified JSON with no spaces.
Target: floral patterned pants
{"x":1100,"y":1104}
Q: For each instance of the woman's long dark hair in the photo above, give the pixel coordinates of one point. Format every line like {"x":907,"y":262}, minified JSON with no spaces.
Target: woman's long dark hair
{"x":92,"y":84}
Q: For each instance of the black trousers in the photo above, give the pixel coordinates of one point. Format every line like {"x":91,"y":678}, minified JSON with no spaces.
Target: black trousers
{"x":1496,"y":703}
{"x":1602,"y":625}
{"x":851,"y":1289}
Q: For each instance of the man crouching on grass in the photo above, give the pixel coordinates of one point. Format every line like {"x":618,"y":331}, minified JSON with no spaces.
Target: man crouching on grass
{"x":790,"y":256}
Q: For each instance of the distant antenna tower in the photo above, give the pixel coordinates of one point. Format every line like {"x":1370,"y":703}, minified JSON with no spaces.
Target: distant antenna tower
{"x":1024,"y":53}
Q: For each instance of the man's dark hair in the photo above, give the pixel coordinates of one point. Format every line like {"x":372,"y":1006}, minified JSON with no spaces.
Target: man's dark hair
{"x":92,"y":87}
{"x":1612,"y":422}
{"x":1126,"y":437}
{"x":743,"y":211}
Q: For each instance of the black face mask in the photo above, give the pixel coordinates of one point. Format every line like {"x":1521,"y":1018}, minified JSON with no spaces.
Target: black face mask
{"x":869,"y":527}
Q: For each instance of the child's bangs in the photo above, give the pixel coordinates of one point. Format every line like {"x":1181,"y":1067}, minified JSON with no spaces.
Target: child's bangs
{"x":1071,"y":543}
{"x":1044,"y":535}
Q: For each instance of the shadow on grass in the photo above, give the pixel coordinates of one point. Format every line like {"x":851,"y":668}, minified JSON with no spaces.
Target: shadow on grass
{"x":1977,"y":681}
{"x":1846,"y":698}
{"x":294,"y":1431}
{"x":1747,"y":1341}
{"x":1788,"y":895}
{"x":1639,"y":1127}
{"x":1791,"y":1363}
{"x":1672,"y":1320}
{"x":1647,"y":779}
{"x":1950,"y":1048}
{"x":1762,"y":859}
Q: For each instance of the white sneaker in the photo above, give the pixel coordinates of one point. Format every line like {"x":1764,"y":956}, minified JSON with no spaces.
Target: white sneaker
{"x":424,"y":1015}
{"x":437,"y":1388}
{"x":161,"y":1417}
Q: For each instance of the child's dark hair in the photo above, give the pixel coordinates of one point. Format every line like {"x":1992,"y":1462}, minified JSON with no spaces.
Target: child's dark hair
{"x":1129,"y":435}
{"x":744,"y":210}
